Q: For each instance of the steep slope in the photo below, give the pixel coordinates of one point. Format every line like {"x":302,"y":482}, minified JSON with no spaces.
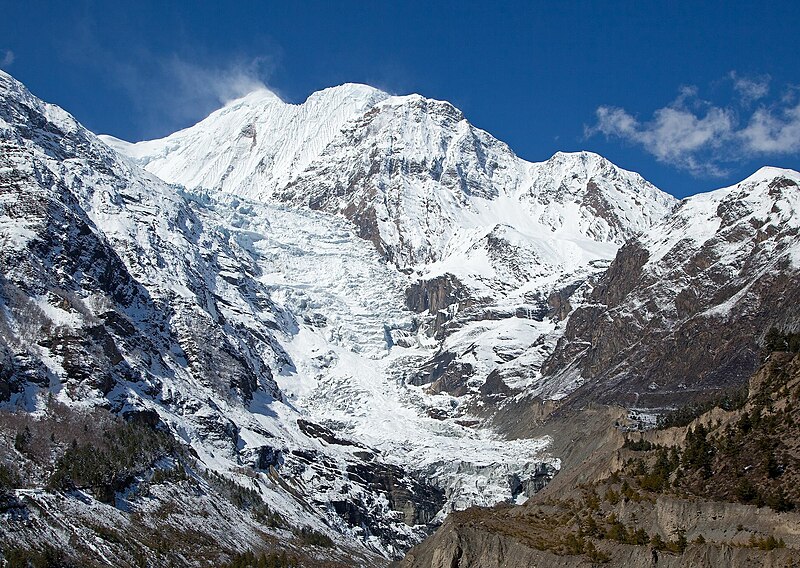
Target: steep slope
{"x":355,"y":349}
{"x":424,"y":184}
{"x":681,"y":309}
{"x":143,"y":270}
{"x":721,"y":490}
{"x":504,"y":267}
{"x":253,"y":145}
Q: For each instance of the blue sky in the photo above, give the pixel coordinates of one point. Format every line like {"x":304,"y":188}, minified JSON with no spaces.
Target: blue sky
{"x":693,"y":95}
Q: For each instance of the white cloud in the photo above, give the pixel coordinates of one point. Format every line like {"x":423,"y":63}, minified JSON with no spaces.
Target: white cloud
{"x":750,"y":88}
{"x":773,"y":131}
{"x":7,"y":58}
{"x":222,"y":84}
{"x":675,"y":135}
{"x":702,"y":138}
{"x":166,"y":91}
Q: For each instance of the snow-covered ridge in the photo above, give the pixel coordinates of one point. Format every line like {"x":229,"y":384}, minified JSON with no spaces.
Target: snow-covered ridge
{"x":685,"y":306}
{"x":413,"y":168}
{"x":254,"y":143}
{"x":757,"y":200}
{"x":434,"y":194}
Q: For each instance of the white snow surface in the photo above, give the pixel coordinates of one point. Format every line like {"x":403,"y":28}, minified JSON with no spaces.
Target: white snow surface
{"x":447,"y":198}
{"x":264,"y":237}
{"x":444,"y":196}
{"x":255,"y":143}
{"x":345,"y":372}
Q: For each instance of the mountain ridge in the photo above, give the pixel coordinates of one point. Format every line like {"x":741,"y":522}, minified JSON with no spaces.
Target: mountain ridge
{"x":723,"y":260}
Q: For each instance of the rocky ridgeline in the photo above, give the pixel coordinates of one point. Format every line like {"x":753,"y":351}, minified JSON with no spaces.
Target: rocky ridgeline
{"x":681,"y":311}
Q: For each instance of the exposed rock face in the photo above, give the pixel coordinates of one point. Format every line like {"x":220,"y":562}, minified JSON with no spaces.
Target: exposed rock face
{"x":418,"y":503}
{"x":558,"y":303}
{"x":702,"y":514}
{"x":442,"y":298}
{"x":682,"y":310}
{"x":434,"y":295}
{"x":622,"y":276}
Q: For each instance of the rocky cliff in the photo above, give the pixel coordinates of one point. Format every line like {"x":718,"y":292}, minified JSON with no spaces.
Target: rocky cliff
{"x":718,"y":491}
{"x":681,"y":310}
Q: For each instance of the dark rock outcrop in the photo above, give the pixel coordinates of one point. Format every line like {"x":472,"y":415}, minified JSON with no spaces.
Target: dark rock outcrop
{"x":442,"y":297}
{"x":417,"y":501}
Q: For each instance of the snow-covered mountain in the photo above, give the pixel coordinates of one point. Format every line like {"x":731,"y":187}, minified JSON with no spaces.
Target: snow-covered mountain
{"x":255,"y":144}
{"x":412,"y":173}
{"x":324,"y":303}
{"x":121,"y":292}
{"x":682,"y":310}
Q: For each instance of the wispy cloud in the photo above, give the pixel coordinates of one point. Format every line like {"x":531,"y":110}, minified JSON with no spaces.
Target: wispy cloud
{"x":675,"y":135}
{"x":166,"y":90}
{"x":218,"y":83}
{"x":172,"y":92}
{"x":773,"y":131}
{"x":702,"y":138}
{"x":750,"y":88}
{"x":6,"y":57}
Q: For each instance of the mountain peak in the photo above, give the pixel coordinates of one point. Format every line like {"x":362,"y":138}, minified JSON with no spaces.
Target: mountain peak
{"x":358,"y":90}
{"x":768,"y":173}
{"x":320,"y":152}
{"x":255,"y":324}
{"x":346,"y":95}
{"x":582,"y":163}
{"x":420,"y":104}
{"x":253,"y":144}
{"x":580,"y":155}
{"x":259,"y":96}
